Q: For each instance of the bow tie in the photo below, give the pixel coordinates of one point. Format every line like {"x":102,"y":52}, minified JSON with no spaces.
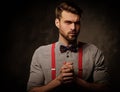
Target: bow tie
{"x":65,"y":48}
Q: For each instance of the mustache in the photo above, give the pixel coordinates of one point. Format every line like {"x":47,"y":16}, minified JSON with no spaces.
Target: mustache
{"x":73,"y":32}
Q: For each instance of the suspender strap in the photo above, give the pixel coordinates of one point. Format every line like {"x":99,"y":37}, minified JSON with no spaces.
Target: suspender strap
{"x":53,"y":64}
{"x":53,"y":72}
{"x":80,"y":63}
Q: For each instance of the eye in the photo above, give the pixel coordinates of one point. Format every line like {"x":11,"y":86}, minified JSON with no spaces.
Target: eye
{"x":68,"y":22}
{"x":77,"y":23}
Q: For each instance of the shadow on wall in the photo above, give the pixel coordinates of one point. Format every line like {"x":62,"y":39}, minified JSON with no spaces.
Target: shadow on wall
{"x":30,"y":24}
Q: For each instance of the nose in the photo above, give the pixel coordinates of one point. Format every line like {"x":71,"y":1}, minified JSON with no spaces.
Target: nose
{"x":72,"y":26}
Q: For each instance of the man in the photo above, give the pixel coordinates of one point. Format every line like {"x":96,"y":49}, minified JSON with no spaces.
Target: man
{"x":68,"y":64}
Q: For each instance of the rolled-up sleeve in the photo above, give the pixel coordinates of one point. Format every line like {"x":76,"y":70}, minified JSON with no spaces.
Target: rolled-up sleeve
{"x":36,"y":77}
{"x":100,"y":74}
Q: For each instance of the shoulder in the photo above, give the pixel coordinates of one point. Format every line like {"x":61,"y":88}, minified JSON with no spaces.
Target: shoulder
{"x":85,"y":45}
{"x":90,"y":47}
{"x":43,"y":49}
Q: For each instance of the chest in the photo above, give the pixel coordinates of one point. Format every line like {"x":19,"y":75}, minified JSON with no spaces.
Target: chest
{"x":59,"y":59}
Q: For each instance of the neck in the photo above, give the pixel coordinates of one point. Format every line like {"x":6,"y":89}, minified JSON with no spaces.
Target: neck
{"x":67,"y":43}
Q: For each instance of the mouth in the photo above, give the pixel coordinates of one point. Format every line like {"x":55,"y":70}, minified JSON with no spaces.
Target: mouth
{"x":72,"y":34}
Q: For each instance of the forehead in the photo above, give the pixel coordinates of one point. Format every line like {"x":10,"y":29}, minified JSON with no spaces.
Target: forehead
{"x":70,"y":16}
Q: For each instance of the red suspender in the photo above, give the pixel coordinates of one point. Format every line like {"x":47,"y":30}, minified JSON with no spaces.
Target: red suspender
{"x":80,"y":63}
{"x":53,"y":61}
{"x":53,"y":72}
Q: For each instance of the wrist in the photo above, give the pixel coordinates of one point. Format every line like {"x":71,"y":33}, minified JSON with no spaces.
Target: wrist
{"x":58,"y":81}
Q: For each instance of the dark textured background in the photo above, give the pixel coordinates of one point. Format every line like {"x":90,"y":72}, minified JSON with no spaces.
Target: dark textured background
{"x":28,"y":24}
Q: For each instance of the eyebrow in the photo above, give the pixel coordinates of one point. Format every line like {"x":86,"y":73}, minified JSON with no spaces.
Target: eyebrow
{"x":68,"y":21}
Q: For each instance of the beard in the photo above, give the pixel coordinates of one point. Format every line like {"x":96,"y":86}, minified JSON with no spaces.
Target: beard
{"x":70,"y":37}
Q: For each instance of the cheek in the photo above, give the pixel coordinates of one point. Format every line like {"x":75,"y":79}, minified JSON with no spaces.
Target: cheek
{"x":78,"y":28}
{"x":65,"y":29}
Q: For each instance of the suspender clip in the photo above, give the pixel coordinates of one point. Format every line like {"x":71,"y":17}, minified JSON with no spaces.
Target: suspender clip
{"x":53,"y":69}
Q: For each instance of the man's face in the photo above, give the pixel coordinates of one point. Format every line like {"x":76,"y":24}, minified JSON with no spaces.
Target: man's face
{"x":69,"y":26}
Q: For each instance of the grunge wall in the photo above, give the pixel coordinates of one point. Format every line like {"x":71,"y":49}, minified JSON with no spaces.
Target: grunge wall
{"x":26,"y":25}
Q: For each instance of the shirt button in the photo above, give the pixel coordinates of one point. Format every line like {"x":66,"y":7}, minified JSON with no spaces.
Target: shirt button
{"x":67,"y":54}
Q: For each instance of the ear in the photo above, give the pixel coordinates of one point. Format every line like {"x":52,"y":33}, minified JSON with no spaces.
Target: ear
{"x":57,"y":22}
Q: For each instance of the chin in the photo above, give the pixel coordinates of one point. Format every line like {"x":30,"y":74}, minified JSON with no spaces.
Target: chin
{"x":72,"y":40}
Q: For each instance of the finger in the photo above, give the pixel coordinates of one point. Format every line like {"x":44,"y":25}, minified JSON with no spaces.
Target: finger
{"x":69,"y":63}
{"x":70,"y":66}
{"x":63,"y":77}
{"x":67,"y":74}
{"x":68,"y":70}
{"x":67,"y":79}
{"x":67,"y":82}
{"x":64,"y":66}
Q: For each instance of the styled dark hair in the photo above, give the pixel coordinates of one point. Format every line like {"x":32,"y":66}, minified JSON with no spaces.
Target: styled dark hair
{"x":69,"y":7}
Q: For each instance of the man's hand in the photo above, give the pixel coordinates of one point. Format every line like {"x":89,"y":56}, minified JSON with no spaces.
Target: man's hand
{"x":66,"y":73}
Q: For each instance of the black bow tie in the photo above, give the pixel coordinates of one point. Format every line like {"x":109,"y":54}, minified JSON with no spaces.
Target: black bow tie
{"x":65,"y":48}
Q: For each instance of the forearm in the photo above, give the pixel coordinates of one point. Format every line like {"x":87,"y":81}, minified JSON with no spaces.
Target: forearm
{"x":65,"y":76}
{"x":94,"y":87}
{"x":46,"y":88}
